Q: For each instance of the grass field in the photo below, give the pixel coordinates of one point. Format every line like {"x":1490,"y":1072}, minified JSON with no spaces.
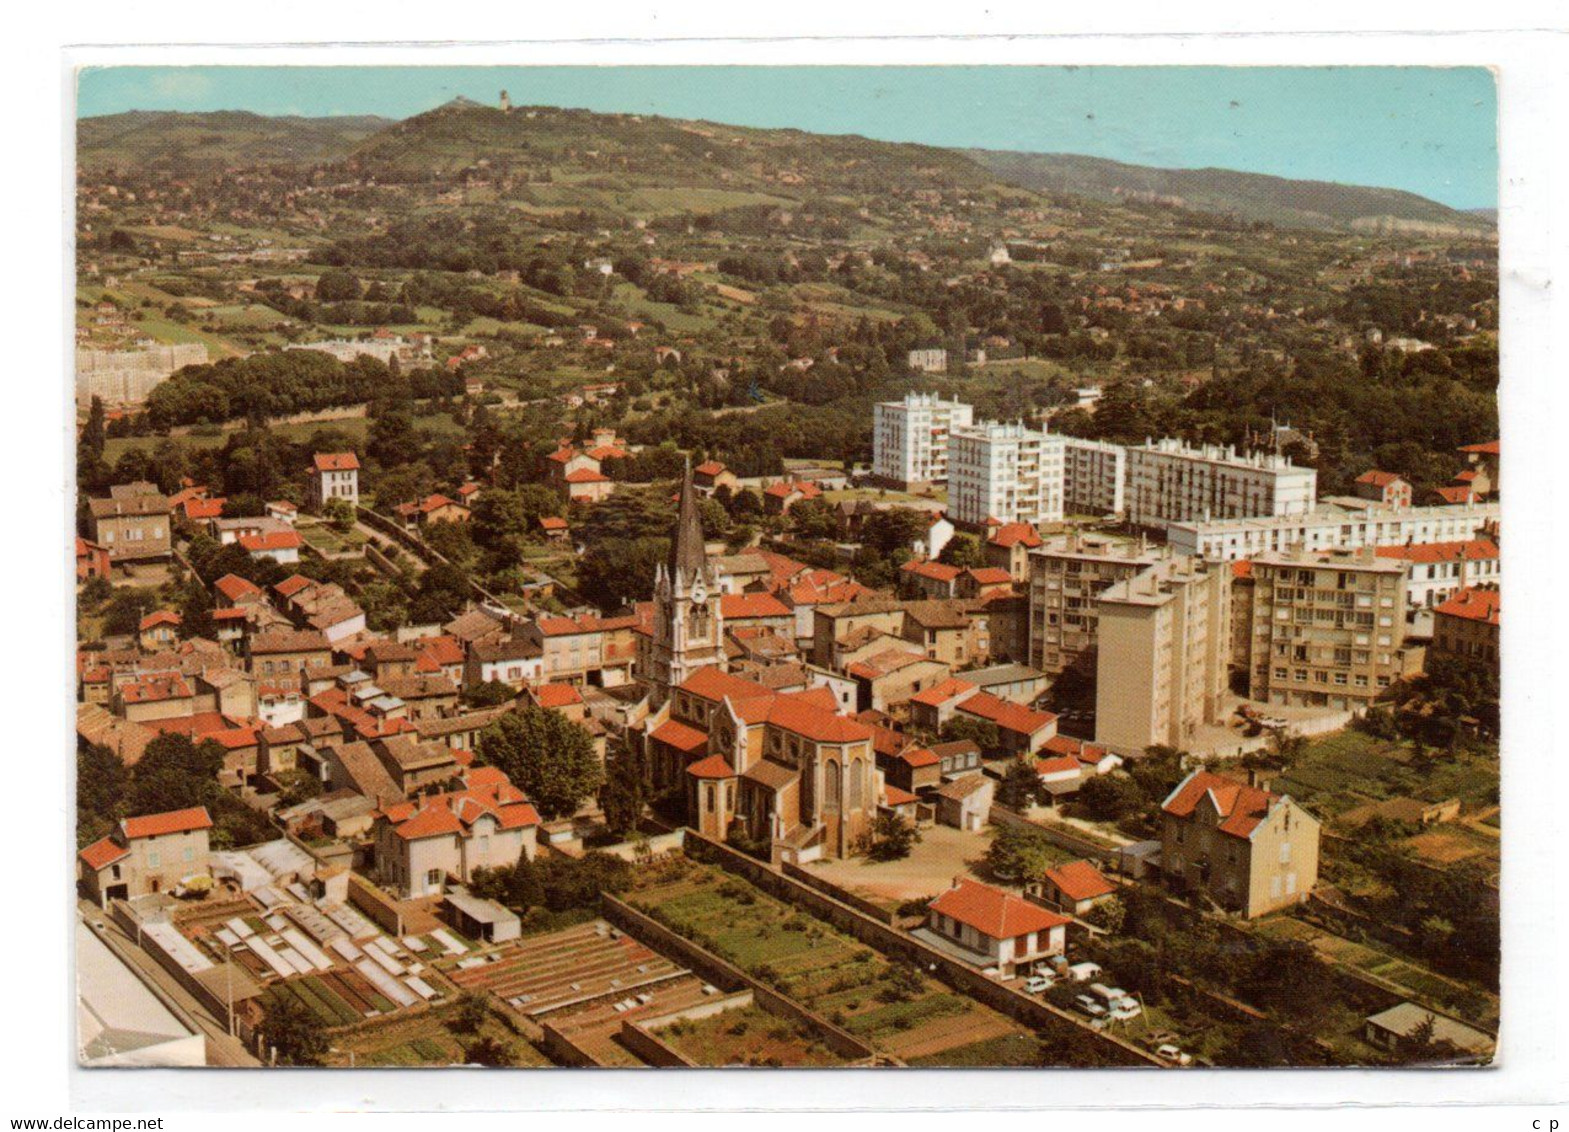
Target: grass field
{"x":747,"y":1036}
{"x":1351,"y":768}
{"x":423,"y":1039}
{"x":901,"y":1012}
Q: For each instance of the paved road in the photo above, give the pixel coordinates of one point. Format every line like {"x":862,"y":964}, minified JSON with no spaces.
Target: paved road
{"x":222,"y":1050}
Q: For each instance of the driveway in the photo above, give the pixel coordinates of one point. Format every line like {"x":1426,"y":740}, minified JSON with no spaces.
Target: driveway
{"x":943,"y":853}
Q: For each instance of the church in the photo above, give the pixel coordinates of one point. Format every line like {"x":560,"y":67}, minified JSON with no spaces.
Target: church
{"x":783,"y":770}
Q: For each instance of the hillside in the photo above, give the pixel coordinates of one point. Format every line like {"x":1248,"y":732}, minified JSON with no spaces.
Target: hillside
{"x":145,"y":139}
{"x":1251,"y":196}
{"x":541,"y":141}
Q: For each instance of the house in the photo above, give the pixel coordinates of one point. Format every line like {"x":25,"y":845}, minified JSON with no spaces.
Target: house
{"x":283,"y":511}
{"x":1075,"y":887}
{"x":1398,"y":1028}
{"x":553,"y":527}
{"x":147,"y":854}
{"x":930,"y":579}
{"x":1060,"y":776}
{"x":957,"y":757}
{"x":1468,"y":625}
{"x":1092,"y":759}
{"x":996,"y":928}
{"x":1021,"y":731}
{"x":1009,"y":548}
{"x":514,"y":661}
{"x":159,"y":630}
{"x":92,"y":560}
{"x":913,"y":769}
{"x":486,"y":824}
{"x":1383,"y":487}
{"x":564,"y":698}
{"x":1248,"y":850}
{"x":282,"y":547}
{"x":778,"y":498}
{"x":432,"y":509}
{"x":888,"y":678}
{"x":965,"y":802}
{"x":709,"y":476}
{"x":933,"y":707}
{"x":286,"y":651}
{"x":133,"y":524}
{"x":332,"y":475}
{"x":983,"y":582}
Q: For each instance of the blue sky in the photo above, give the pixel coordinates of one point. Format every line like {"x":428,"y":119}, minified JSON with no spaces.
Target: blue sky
{"x":1430,"y":130}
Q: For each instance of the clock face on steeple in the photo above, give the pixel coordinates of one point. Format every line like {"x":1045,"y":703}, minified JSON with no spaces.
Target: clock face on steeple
{"x":698,"y":592}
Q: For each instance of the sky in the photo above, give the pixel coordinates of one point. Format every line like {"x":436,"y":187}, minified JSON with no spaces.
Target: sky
{"x":1429,"y":130}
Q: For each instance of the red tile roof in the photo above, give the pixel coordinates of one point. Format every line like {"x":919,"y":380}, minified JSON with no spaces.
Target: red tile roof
{"x":204,"y":508}
{"x":1016,"y":534}
{"x":175,"y":821}
{"x":714,"y":766}
{"x":1486,"y":448}
{"x":103,"y":853}
{"x":159,"y":617}
{"x":1060,"y":764}
{"x":939,"y":694}
{"x":709,"y":468}
{"x":990,"y":575}
{"x":1241,"y":807}
{"x":1242,"y":569}
{"x":920,"y":756}
{"x":1007,"y":715}
{"x":676,"y":734}
{"x":804,"y":714}
{"x":893,"y":796}
{"x":292,"y":585}
{"x":1459,"y":493}
{"x":155,"y":689}
{"x":1378,"y":478}
{"x":993,"y":912}
{"x":272,"y":540}
{"x":737,"y":607}
{"x":233,"y":588}
{"x":586,"y":475}
{"x":552,"y":523}
{"x":1473,"y":605}
{"x":1472,"y":550}
{"x":335,"y":462}
{"x":937,"y":571}
{"x":783,"y":489}
{"x":1079,"y":880}
{"x":557,"y":695}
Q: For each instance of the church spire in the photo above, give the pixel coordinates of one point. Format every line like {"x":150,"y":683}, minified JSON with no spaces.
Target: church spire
{"x":688,"y":555}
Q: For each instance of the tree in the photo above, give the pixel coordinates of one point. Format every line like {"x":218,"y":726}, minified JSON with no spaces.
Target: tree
{"x":492,"y":693}
{"x":1259,"y":1046}
{"x":1017,"y":854}
{"x":1110,"y":797}
{"x":891,"y":838}
{"x":291,"y":1029}
{"x":102,"y":782}
{"x":92,"y":439}
{"x":337,"y":286}
{"x":488,"y":1050}
{"x":981,"y":732}
{"x":546,"y":755}
{"x":339,"y":514}
{"x":470,"y":1013}
{"x":625,"y":792}
{"x":1021,"y":785}
{"x":963,"y":550}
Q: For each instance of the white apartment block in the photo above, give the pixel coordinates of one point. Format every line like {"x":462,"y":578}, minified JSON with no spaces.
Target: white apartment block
{"x":1330,"y":527}
{"x":910,"y":437}
{"x":1171,"y":482}
{"x":1094,"y":477}
{"x":1005,"y":472}
{"x":933,"y":359}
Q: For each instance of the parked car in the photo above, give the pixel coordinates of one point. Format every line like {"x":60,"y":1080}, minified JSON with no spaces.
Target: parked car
{"x":1119,"y":1004}
{"x":1039,"y":983}
{"x":1171,"y":1053}
{"x":1084,"y":972}
{"x":1087,"y":1005}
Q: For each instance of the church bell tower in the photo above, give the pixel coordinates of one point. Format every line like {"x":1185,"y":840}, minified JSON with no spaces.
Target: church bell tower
{"x":688,"y":630}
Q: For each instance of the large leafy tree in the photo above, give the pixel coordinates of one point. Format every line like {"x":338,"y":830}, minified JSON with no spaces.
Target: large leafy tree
{"x":293,"y":1031}
{"x":1017,"y":854}
{"x":548,"y":756}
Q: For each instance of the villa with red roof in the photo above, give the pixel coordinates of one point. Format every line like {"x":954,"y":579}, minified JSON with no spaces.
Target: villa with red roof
{"x":146,"y":854}
{"x":1383,"y":487}
{"x":421,"y":844}
{"x":332,"y":475}
{"x":1009,"y":547}
{"x":1250,"y":851}
{"x":994,"y":928}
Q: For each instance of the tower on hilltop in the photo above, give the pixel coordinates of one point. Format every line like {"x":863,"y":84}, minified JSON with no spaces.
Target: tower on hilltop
{"x":506,"y":103}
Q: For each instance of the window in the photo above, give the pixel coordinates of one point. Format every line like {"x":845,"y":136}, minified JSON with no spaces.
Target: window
{"x":153,"y":860}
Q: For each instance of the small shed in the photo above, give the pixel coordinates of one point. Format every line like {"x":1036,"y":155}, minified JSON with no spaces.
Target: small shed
{"x":483,"y":919}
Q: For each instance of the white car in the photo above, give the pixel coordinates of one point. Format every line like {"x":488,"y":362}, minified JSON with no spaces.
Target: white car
{"x":1171,"y":1053}
{"x":1084,"y":972}
{"x":1039,"y":983}
{"x":1125,"y":1008}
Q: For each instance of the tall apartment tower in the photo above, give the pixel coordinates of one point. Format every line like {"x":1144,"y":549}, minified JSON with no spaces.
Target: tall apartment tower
{"x":688,"y":630}
{"x":1164,"y":642}
{"x":1170,"y":482}
{"x":1066,"y":576}
{"x":1328,"y":628}
{"x":1005,"y":472}
{"x":910,"y":438}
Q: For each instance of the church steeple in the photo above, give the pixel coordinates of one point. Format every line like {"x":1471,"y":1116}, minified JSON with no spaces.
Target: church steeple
{"x":688,"y":555}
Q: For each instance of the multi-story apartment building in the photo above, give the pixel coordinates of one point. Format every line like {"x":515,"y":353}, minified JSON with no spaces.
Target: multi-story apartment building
{"x":1163,"y":646}
{"x":1094,"y":477}
{"x":1170,"y":482}
{"x":1330,"y":526}
{"x":1249,"y":850}
{"x":932,"y":359}
{"x":1328,"y":628}
{"x":910,"y":438}
{"x":1067,"y":575}
{"x":133,"y":524}
{"x":1004,"y":472}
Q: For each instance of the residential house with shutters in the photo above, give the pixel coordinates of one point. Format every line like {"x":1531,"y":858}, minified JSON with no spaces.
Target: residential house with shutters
{"x":332,"y":475}
{"x":992,"y":928}
{"x":425,"y":844}
{"x":1249,"y":850}
{"x":146,"y":854}
{"x":133,"y":524}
